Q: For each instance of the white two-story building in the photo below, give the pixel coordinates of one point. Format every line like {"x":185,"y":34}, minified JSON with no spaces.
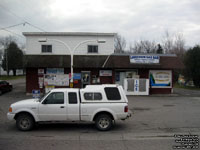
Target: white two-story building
{"x":48,"y":62}
{"x":57,"y":43}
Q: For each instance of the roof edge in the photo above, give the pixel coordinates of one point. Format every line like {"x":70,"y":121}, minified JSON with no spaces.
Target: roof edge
{"x":67,"y":34}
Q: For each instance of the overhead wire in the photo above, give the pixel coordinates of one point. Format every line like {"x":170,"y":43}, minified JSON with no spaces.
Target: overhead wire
{"x":25,"y":21}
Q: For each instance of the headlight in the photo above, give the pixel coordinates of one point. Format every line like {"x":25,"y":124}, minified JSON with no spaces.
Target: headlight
{"x":10,"y":109}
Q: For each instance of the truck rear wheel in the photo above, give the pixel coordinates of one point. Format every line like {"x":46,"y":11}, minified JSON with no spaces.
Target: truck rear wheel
{"x":103,"y":122}
{"x":25,"y":122}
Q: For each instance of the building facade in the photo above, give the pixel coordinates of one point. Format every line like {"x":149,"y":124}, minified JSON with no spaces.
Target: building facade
{"x":48,"y":63}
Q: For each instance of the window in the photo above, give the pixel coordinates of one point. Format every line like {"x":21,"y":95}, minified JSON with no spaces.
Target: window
{"x":46,"y":48}
{"x":112,"y":93}
{"x":93,"y":96}
{"x":72,"y":98}
{"x":92,"y":48}
{"x":55,"y":98}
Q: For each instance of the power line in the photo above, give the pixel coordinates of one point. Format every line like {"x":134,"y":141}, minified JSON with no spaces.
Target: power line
{"x":21,"y":18}
{"x":13,"y":26}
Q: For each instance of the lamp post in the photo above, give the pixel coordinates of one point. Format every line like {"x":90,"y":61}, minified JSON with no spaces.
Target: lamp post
{"x":71,"y":51}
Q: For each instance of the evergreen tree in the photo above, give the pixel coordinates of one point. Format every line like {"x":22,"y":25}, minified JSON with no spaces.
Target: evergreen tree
{"x":13,"y":58}
{"x":159,"y":50}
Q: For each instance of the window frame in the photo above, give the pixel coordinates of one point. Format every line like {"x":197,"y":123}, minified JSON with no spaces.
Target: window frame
{"x":108,"y":97}
{"x":95,"y":52}
{"x":46,"y":50}
{"x":69,"y":98}
{"x":45,"y":99}
{"x":93,"y":93}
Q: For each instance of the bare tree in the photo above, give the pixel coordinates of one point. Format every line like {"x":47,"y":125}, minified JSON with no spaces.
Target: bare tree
{"x":179,"y":46}
{"x":143,"y":46}
{"x":167,"y":42}
{"x":5,"y":41}
{"x":174,"y":44}
{"x":120,"y":44}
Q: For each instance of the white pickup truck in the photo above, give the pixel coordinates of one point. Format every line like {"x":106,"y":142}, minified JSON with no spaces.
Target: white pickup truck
{"x":101,"y":104}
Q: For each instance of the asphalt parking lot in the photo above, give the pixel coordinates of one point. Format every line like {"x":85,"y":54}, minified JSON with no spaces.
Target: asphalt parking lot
{"x":155,"y":121}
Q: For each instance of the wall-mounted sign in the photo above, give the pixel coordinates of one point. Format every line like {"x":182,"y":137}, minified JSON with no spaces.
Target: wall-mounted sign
{"x":55,"y":71}
{"x":105,"y":73}
{"x":160,"y":78}
{"x":40,"y":71}
{"x":144,"y":59}
{"x":76,"y":76}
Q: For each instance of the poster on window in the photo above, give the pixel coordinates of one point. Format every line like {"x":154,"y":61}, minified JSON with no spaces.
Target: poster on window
{"x":56,"y":79}
{"x":160,"y":78}
{"x":105,"y":73}
{"x":40,"y":71}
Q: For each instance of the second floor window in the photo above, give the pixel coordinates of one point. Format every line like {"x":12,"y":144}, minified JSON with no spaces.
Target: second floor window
{"x":46,"y":48}
{"x":92,"y":48}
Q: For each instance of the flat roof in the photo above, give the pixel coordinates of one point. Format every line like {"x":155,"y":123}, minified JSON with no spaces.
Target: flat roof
{"x":67,"y":34}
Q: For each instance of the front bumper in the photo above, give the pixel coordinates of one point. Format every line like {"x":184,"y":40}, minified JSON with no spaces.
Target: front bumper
{"x":10,"y":116}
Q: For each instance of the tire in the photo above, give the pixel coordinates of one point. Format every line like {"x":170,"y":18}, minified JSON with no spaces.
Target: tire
{"x":1,"y":92}
{"x":25,"y":122}
{"x":103,"y":122}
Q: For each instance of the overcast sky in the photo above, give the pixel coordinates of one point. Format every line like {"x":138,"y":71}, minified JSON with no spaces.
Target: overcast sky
{"x":133,"y":19}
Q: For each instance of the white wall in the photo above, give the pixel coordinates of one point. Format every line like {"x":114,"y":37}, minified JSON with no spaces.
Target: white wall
{"x":33,"y":47}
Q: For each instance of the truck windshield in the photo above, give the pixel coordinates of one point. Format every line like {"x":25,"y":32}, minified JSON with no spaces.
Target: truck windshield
{"x":43,"y":96}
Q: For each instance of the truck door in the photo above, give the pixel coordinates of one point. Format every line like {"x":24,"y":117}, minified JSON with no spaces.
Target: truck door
{"x":53,"y":108}
{"x":73,"y":105}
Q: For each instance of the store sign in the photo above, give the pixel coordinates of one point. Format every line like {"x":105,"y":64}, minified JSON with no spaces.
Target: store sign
{"x":105,"y":73}
{"x":144,"y":59}
{"x":55,"y":71}
{"x":76,"y":76}
{"x":160,"y":78}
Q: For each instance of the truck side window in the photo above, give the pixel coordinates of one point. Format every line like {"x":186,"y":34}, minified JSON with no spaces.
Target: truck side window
{"x":72,"y":98}
{"x":55,"y":98}
{"x":97,"y":96}
{"x":112,"y":93}
{"x":92,"y":96}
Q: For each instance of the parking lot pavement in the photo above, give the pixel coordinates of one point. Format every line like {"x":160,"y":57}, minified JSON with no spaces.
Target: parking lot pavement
{"x":153,"y":124}
{"x":187,"y":92}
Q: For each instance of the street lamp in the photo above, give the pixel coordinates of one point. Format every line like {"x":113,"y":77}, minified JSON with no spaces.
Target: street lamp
{"x":71,"y":51}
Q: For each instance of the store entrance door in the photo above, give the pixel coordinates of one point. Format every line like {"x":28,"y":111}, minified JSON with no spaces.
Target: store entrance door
{"x":85,"y":78}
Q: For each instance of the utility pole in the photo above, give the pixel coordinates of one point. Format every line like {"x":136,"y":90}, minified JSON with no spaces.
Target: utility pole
{"x":7,"y":62}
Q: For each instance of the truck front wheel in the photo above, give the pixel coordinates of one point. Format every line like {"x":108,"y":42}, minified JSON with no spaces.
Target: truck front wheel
{"x":24,"y":122}
{"x":103,"y":122}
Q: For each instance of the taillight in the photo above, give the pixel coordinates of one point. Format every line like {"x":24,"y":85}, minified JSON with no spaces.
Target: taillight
{"x":126,"y":109}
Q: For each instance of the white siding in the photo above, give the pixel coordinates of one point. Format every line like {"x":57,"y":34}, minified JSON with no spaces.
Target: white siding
{"x":33,"y":47}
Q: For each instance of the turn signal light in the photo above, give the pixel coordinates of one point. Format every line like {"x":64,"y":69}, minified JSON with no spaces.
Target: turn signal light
{"x":126,"y":109}
{"x":10,"y":109}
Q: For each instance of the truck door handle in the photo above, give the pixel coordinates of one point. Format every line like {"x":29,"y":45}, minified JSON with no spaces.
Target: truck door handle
{"x":62,"y":106}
